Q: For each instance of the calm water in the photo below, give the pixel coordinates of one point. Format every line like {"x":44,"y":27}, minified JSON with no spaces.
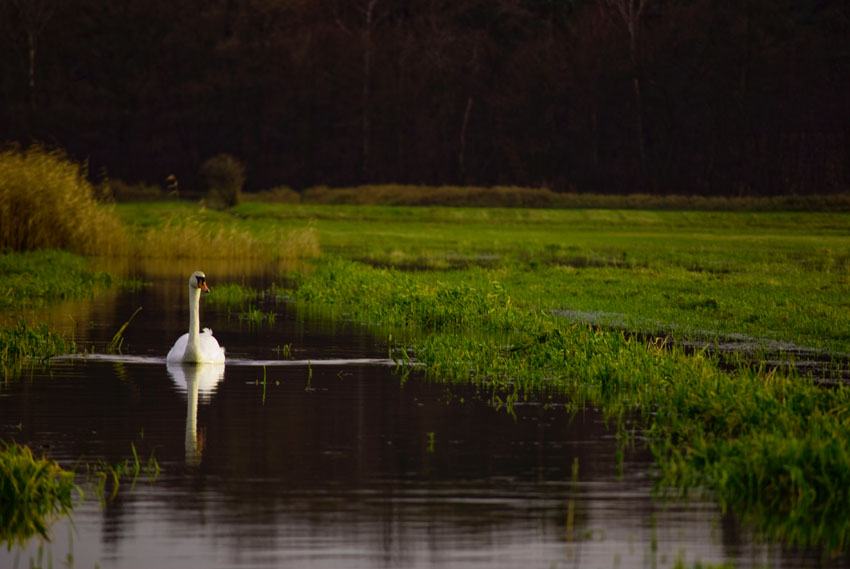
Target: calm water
{"x":339,"y":464}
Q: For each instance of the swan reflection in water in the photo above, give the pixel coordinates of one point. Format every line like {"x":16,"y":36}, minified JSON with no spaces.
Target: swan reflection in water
{"x":195,"y":380}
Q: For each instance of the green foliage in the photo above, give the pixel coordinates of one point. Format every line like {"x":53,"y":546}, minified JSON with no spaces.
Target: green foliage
{"x":46,"y":202}
{"x":222,"y":177}
{"x":33,"y":492}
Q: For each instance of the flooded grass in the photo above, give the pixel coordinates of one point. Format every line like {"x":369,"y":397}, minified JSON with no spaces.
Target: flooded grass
{"x":761,"y":441}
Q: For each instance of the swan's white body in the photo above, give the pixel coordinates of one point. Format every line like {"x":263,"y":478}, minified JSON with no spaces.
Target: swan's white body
{"x":196,"y":346}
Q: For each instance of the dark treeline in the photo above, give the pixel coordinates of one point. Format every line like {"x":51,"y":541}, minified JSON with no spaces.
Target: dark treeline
{"x":715,"y":97}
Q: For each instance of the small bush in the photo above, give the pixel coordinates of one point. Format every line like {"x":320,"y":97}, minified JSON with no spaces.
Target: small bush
{"x":47,"y":202}
{"x":223,"y":176}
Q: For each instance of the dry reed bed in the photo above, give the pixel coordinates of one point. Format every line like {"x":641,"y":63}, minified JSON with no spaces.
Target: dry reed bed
{"x":47,"y":202}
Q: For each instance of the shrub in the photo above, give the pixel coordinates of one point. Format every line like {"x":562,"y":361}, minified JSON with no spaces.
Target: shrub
{"x":47,"y":202}
{"x":223,"y":176}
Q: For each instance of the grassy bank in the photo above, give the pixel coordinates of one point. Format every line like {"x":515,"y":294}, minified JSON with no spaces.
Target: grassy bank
{"x":35,"y":279}
{"x":773,"y":447}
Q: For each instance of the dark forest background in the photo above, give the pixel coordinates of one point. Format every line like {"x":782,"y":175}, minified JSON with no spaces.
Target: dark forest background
{"x":714,"y":97}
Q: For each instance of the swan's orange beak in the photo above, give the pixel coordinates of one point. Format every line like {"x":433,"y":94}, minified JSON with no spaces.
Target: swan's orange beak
{"x":202,"y":284}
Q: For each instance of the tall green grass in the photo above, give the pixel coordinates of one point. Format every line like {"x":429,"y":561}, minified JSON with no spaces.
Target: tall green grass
{"x":33,"y":493}
{"x":47,"y":202}
{"x":25,"y":341}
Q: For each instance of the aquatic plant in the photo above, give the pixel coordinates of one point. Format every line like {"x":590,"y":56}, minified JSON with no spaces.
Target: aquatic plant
{"x":33,"y":493}
{"x":25,"y":341}
{"x":231,"y":295}
{"x":107,"y":474}
{"x":253,"y":315}
{"x":117,"y":340}
{"x":47,"y":202}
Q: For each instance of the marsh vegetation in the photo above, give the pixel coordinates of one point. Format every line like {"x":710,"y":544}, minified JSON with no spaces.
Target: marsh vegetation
{"x":528,"y":304}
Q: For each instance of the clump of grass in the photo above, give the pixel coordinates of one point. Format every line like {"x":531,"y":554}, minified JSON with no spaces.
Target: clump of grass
{"x":110,"y":475}
{"x":24,"y":341}
{"x":47,"y":202}
{"x":254,"y":315}
{"x":33,"y":492}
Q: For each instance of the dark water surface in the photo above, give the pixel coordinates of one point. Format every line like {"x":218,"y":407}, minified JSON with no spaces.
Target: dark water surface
{"x":336,"y":463}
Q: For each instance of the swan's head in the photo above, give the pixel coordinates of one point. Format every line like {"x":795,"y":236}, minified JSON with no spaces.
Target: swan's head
{"x":199,"y":280}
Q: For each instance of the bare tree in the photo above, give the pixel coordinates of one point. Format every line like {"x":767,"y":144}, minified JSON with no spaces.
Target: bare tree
{"x":368,"y":56}
{"x":32,"y":17}
{"x":630,"y":11}
{"x":369,"y":22}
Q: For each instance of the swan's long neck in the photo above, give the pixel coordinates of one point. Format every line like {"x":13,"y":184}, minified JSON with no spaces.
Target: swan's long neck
{"x":194,"y":344}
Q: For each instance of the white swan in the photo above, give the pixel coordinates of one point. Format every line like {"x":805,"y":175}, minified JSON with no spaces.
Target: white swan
{"x":195,"y":346}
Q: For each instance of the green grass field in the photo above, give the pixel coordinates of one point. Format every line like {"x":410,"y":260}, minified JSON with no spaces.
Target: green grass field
{"x":778,"y":276}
